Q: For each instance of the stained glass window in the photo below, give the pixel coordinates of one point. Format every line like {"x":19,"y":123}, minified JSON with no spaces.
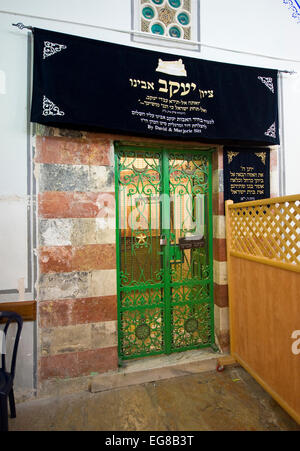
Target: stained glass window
{"x":168,"y":18}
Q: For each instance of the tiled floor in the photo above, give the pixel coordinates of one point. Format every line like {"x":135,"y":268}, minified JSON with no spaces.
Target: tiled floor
{"x":207,"y":401}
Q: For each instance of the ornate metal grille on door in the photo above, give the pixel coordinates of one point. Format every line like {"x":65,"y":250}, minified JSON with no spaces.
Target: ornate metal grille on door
{"x":164,"y":251}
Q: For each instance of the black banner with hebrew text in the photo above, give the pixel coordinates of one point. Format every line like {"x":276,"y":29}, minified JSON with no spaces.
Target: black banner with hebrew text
{"x":246,"y":174}
{"x":87,"y":84}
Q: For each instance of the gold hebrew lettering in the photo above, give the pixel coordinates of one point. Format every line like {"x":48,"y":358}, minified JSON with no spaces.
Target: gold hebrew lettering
{"x":163,"y":82}
{"x":176,"y":87}
{"x":186,"y":89}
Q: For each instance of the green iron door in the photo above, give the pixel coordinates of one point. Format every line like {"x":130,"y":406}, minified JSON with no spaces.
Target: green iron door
{"x":164,"y":251}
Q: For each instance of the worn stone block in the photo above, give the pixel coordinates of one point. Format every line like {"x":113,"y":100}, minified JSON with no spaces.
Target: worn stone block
{"x":101,"y":152}
{"x":81,"y":178}
{"x":103,"y":283}
{"x":76,"y":231}
{"x":224,"y":340}
{"x":101,"y":178}
{"x":65,"y":312}
{"x":63,"y":365}
{"x":97,"y":256}
{"x":63,"y":150}
{"x":218,"y":204}
{"x":83,"y":258}
{"x":61,"y":340}
{"x":219,"y":249}
{"x":58,"y":177}
{"x":105,"y":230}
{"x":55,"y":259}
{"x":218,"y":182}
{"x":219,"y":229}
{"x":55,"y":232}
{"x":98,"y":360}
{"x":221,"y":318}
{"x":93,"y":231}
{"x":122,"y":379}
{"x":56,"y":313}
{"x":45,"y":130}
{"x":221,"y":295}
{"x":77,"y":285}
{"x":220,"y":272}
{"x":104,"y":334}
{"x":217,"y":159}
{"x":103,"y":308}
{"x":76,"y":364}
{"x":63,"y":285}
{"x":58,"y":204}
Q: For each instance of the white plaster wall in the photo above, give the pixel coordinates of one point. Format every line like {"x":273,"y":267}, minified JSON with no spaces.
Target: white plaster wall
{"x":13,"y":166}
{"x":13,"y":265}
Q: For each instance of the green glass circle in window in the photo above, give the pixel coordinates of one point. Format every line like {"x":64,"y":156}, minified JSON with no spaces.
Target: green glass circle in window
{"x":183,"y":18}
{"x":158,"y":2}
{"x":174,"y":32}
{"x":157,"y":28}
{"x":142,"y":331}
{"x":148,"y":12}
{"x":191,"y":325}
{"x":175,"y":3}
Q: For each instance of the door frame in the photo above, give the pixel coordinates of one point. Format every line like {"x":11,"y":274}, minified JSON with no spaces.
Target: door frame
{"x":167,"y":148}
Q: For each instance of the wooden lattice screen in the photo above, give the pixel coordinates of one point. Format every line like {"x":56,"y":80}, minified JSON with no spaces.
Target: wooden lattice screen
{"x":269,"y":229}
{"x":263,"y":258}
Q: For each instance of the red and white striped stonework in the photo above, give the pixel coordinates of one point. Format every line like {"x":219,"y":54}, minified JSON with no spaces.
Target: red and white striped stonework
{"x":77,"y":302}
{"x":219,"y":254}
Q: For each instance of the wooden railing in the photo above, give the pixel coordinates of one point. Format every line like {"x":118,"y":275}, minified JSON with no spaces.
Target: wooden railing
{"x":266,"y":230}
{"x":263,"y":257}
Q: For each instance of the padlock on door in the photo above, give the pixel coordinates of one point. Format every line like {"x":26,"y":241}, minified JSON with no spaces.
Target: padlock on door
{"x":163,"y":241}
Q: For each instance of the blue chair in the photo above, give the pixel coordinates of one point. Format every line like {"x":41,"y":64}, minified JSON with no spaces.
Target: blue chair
{"x":7,"y":378}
